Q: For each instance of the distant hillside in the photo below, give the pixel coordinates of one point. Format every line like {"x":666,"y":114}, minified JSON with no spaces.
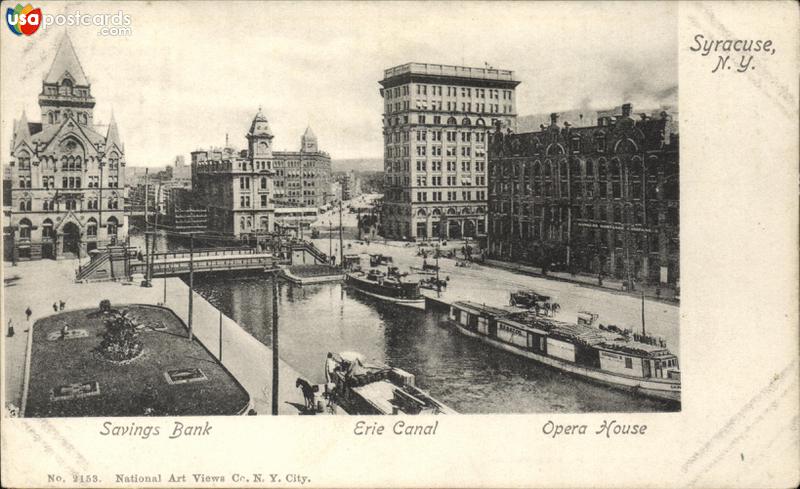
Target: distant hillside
{"x":357,"y":164}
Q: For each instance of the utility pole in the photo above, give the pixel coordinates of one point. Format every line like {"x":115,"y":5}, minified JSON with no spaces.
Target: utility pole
{"x":275,"y":365}
{"x":153,"y":244}
{"x":438,"y":284}
{"x":146,"y":230}
{"x":330,"y":239}
{"x":220,"y":336}
{"x":191,"y":281}
{"x":644,"y":333}
{"x":341,"y":241}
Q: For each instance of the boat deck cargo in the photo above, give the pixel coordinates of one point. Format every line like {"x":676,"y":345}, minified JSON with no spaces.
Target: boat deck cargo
{"x":362,"y":387}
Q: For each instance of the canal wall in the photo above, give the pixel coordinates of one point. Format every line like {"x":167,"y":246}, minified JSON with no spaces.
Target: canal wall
{"x":38,"y":284}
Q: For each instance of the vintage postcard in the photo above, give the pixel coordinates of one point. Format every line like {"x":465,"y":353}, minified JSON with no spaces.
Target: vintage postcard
{"x":399,"y":244}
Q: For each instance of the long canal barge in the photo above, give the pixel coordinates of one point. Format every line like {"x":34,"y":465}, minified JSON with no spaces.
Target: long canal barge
{"x":646,"y":368}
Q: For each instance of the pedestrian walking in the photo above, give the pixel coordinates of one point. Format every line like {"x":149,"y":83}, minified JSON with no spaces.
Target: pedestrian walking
{"x":28,"y":313}
{"x":10,"y":328}
{"x":61,"y":305}
{"x":55,"y":307}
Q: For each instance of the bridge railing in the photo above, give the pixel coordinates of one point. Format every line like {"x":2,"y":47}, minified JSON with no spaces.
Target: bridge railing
{"x":231,"y":251}
{"x":201,"y":265}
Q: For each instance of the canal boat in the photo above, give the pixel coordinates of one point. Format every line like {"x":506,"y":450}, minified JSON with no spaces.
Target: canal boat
{"x":617,"y":358}
{"x":392,"y":289}
{"x":368,"y":387}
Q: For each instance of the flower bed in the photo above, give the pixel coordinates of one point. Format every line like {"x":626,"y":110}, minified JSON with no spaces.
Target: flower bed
{"x":131,"y":380}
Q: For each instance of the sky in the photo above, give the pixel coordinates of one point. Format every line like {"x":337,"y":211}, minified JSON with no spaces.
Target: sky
{"x":190,"y":73}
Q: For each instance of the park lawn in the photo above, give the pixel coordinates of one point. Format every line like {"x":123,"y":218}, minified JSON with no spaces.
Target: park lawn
{"x":122,"y":392}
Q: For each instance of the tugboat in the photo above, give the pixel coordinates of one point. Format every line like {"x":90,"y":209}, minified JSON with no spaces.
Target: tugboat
{"x":605,"y":354}
{"x":392,"y":289}
{"x":361,"y":387}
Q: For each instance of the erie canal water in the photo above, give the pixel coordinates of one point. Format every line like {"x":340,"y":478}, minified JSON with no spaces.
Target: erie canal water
{"x":463,"y":373}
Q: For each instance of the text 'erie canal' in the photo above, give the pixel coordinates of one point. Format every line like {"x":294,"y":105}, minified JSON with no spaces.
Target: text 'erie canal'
{"x":374,"y":428}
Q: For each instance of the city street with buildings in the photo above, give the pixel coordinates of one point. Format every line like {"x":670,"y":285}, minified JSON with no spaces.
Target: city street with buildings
{"x":575,"y":223}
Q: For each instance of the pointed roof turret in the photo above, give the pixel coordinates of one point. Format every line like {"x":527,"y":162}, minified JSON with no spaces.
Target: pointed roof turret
{"x":22,"y":133}
{"x":112,"y":136}
{"x":309,"y":134}
{"x":260,"y":125}
{"x":66,"y":61}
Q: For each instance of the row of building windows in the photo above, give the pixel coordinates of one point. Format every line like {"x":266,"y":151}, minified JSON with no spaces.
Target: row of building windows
{"x":49,"y":182}
{"x":449,"y":91}
{"x":244,"y":201}
{"x":48,"y":230}
{"x":436,"y":120}
{"x":436,"y":196}
{"x":69,"y":204}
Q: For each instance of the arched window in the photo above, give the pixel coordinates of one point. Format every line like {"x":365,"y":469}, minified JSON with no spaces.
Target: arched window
{"x":47,"y":229}
{"x":91,"y":227}
{"x":66,"y":87}
{"x":575,"y":177}
{"x":480,"y":122}
{"x":635,"y":176}
{"x":563,"y":178}
{"x":451,"y":121}
{"x":537,"y":179}
{"x":616,"y":179}
{"x":466,"y":122}
{"x":548,"y":180}
{"x":24,"y":161}
{"x":111,"y":226}
{"x":78,"y":163}
{"x":603,"y":178}
{"x":25,"y":229}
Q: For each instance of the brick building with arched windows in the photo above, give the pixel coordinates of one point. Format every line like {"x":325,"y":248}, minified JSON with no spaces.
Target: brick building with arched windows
{"x":66,"y":174}
{"x":602,"y":199}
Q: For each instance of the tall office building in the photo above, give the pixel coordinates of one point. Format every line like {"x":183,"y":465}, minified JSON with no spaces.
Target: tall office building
{"x":435,"y":125}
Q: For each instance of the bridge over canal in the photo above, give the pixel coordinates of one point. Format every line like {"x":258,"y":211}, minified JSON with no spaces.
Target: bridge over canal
{"x":118,"y":262}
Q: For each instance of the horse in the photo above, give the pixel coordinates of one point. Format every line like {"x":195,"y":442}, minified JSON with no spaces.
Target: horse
{"x":546,"y":307}
{"x":308,"y":392}
{"x":555,"y":307}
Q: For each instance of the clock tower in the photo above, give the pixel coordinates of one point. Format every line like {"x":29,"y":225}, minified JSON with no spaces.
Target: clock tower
{"x":259,"y":138}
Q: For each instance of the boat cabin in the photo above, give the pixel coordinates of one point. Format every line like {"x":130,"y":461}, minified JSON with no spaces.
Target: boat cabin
{"x":578,"y":344}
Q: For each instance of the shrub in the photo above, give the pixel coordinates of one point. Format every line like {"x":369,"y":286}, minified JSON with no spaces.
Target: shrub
{"x":105,"y":305}
{"x":121,"y":340}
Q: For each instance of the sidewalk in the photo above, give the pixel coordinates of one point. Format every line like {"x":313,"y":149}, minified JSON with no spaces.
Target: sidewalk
{"x":39,"y":283}
{"x":667,"y":294}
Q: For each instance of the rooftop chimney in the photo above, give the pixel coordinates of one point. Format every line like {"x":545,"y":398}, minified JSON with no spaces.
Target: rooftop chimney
{"x":626,"y":110}
{"x":553,"y":118}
